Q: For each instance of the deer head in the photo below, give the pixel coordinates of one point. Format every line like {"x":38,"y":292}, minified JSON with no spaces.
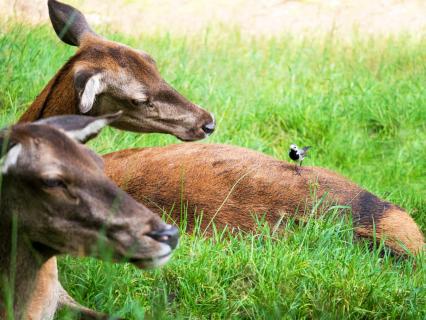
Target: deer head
{"x":64,"y":203}
{"x":108,"y":76}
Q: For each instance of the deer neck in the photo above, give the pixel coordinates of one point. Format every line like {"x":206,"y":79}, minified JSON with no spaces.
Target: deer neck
{"x":59,"y":97}
{"x":19,"y":265}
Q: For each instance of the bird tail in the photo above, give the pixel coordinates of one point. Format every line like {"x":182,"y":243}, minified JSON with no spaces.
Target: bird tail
{"x":305,"y":150}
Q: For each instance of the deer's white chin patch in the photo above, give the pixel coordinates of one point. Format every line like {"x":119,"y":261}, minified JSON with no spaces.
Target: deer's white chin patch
{"x":158,"y":262}
{"x":161,"y":259}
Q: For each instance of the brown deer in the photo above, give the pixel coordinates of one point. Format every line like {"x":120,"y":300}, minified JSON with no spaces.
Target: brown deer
{"x":56,"y":199}
{"x":105,"y":77}
{"x":229,"y":184}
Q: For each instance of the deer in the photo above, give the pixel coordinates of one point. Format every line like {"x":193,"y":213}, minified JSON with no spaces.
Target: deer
{"x":104,"y":77}
{"x":56,"y":199}
{"x":231,"y":186}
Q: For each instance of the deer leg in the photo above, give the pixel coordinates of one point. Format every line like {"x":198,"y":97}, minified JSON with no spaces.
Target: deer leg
{"x":65,"y":300}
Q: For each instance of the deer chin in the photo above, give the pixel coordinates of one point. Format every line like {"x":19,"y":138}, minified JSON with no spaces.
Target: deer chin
{"x":134,"y":123}
{"x":191,"y":135}
{"x":149,"y":263}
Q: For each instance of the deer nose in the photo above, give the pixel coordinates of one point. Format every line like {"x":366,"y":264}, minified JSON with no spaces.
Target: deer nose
{"x":168,"y":235}
{"x":209,"y":127}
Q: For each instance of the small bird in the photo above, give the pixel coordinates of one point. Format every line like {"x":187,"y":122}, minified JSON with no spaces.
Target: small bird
{"x":297,"y":154}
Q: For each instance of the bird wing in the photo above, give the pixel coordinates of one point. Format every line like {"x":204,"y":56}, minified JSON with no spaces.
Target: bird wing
{"x":304,"y":150}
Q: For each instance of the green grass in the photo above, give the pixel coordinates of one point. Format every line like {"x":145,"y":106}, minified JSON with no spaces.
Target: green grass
{"x":361,"y":105}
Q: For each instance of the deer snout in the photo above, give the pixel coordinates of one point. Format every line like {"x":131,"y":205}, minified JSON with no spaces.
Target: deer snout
{"x":209,"y":126}
{"x":168,"y":235}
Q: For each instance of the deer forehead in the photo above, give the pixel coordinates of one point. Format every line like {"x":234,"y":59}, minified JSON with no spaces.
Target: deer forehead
{"x":62,"y":155}
{"x":126,"y":84}
{"x":113,"y":55}
{"x":46,"y":163}
{"x":52,"y":167}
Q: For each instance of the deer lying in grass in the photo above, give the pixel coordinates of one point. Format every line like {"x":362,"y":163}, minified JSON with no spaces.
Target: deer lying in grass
{"x":55,"y":199}
{"x":229,"y":183}
{"x":105,"y":77}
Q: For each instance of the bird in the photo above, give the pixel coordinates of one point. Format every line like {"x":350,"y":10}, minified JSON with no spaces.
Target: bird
{"x":298,"y":155}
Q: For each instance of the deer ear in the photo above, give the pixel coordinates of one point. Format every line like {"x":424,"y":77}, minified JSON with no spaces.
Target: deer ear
{"x":6,"y":142}
{"x":70,"y":24}
{"x":81,"y":128}
{"x":88,"y":84}
{"x":9,"y":151}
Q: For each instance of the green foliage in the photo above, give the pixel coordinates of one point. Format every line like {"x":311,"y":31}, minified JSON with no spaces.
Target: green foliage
{"x":303,"y":271}
{"x":361,"y":105}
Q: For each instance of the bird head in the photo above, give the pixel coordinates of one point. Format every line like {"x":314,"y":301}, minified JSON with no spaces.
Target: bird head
{"x":293,"y":147}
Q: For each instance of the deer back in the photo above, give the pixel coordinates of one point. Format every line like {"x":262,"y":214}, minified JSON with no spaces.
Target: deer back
{"x":229,"y":184}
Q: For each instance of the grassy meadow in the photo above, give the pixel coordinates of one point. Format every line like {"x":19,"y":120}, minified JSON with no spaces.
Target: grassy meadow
{"x":360,"y":103}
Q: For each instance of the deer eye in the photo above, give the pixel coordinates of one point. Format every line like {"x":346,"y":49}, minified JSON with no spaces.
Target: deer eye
{"x":135,"y":102}
{"x":53,"y":183}
{"x":150,"y":104}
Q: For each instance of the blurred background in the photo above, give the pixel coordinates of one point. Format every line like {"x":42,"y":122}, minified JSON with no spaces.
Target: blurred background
{"x":254,"y":17}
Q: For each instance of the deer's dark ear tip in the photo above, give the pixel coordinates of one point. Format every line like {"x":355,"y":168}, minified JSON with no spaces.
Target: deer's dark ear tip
{"x":69,"y":24}
{"x":53,"y":4}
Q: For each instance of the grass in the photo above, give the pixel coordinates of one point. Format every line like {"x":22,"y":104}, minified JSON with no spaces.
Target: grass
{"x":360,"y":104}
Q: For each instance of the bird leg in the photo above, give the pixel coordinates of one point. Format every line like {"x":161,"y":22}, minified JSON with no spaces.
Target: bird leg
{"x":297,"y":169}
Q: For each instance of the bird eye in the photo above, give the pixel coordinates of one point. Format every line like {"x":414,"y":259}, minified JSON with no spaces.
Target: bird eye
{"x":53,"y":183}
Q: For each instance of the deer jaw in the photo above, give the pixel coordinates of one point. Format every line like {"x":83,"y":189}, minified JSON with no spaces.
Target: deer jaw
{"x":105,"y":76}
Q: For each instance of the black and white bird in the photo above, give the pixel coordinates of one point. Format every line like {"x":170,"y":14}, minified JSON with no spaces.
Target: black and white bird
{"x":298,"y":155}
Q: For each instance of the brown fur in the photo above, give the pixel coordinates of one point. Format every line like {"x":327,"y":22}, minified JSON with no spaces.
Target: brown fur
{"x":229,"y":183}
{"x":55,"y":99}
{"x":47,"y":291}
